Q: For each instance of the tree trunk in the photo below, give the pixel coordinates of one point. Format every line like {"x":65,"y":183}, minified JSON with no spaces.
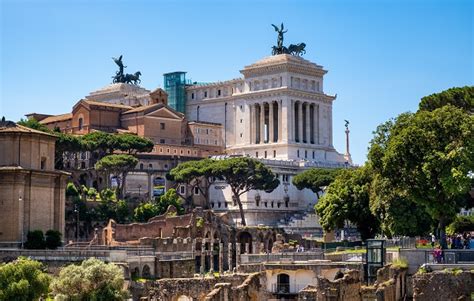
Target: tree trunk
{"x":442,"y":233}
{"x":236,"y":198}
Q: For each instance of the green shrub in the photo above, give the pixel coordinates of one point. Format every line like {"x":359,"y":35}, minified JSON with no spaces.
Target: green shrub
{"x":35,"y":240}
{"x":71,"y":190}
{"x":199,"y":222}
{"x":53,"y":239}
{"x":400,"y":263}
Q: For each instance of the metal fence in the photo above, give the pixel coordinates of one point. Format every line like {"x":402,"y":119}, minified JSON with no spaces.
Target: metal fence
{"x":401,"y":242}
{"x":450,"y":256}
{"x":279,"y":257}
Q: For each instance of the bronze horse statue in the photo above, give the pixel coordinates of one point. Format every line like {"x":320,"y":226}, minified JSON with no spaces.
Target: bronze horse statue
{"x":297,"y":50}
{"x":133,"y":78}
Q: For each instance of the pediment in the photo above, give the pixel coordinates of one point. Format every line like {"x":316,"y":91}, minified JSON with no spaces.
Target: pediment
{"x":164,"y":112}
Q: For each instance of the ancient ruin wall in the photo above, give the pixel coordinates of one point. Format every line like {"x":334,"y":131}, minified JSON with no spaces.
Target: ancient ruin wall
{"x":445,"y":285}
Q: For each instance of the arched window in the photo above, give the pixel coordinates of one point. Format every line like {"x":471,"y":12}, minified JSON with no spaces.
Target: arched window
{"x":283,"y":284}
{"x":81,"y":123}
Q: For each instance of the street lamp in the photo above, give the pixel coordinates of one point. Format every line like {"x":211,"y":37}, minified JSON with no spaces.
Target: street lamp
{"x":20,"y":200}
{"x":76,"y":211}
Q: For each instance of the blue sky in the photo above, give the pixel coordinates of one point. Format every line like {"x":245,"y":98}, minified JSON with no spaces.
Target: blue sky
{"x":382,"y":56}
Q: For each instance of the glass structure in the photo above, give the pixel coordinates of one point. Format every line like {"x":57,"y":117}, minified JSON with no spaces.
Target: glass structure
{"x":175,"y":86}
{"x":375,"y":258}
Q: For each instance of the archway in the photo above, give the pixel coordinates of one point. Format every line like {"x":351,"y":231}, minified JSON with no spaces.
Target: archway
{"x":283,"y":283}
{"x":146,"y":271}
{"x":245,"y":238}
{"x":135,"y":273}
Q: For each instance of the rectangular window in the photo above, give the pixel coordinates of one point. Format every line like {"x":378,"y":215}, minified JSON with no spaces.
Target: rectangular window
{"x":256,"y":154}
{"x":181,"y":189}
{"x":265,"y":154}
{"x":162,"y":125}
{"x":192,"y":95}
{"x":162,"y":141}
{"x":274,"y":154}
{"x":196,"y":190}
{"x":218,"y":92}
{"x":205,"y":94}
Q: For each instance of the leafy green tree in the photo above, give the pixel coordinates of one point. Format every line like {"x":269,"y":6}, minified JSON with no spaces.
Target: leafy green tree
{"x":23,"y":279}
{"x":197,"y":173}
{"x":243,"y":174}
{"x":170,"y":198}
{"x":71,"y":190}
{"x":315,"y":179}
{"x":429,"y":156}
{"x":131,"y":143}
{"x":122,"y":212}
{"x":459,"y":97}
{"x":347,"y":199}
{"x":92,"y":280}
{"x":398,"y":214}
{"x":53,"y":239}
{"x":145,"y":211}
{"x":461,"y":224}
{"x":35,"y":240}
{"x":119,"y":166}
{"x":34,"y":124}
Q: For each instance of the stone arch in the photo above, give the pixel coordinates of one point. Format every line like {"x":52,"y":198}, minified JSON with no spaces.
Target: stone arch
{"x":135,"y":272}
{"x":245,"y":238}
{"x":146,"y":271}
{"x":184,"y":298}
{"x":283,"y":283}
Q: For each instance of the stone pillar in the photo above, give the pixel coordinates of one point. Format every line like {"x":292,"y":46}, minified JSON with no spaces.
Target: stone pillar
{"x":317,"y":118}
{"x":308,"y":125}
{"x":271,"y":129}
{"x":330,"y":124}
{"x":250,"y":125}
{"x":279,"y":120}
{"x":203,"y":256}
{"x":257,"y":123}
{"x":221,"y":258}
{"x":300,"y":121}
{"x":229,"y":256}
{"x":255,"y":246}
{"x":237,"y":255}
{"x":262,"y":123}
{"x":247,"y":248}
{"x":211,"y":255}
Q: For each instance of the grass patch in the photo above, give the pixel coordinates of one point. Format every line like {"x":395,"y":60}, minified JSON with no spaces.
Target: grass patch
{"x":351,"y":251}
{"x":422,"y":246}
{"x":401,"y":263}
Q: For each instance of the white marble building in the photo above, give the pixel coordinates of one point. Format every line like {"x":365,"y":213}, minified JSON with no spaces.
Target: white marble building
{"x":278,"y":112}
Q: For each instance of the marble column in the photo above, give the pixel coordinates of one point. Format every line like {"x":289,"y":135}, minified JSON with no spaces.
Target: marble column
{"x":229,"y":256}
{"x":221,"y":258}
{"x":280,"y":121}
{"x":237,"y":255}
{"x":300,"y":122}
{"x":308,"y":123}
{"x":316,"y":124}
{"x":251,"y":122}
{"x":271,"y":129}
{"x":262,"y":123}
{"x":203,"y":256}
{"x":211,"y":257}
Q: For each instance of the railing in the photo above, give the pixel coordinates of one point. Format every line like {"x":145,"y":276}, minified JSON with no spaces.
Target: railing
{"x":450,"y":256}
{"x":280,"y":257}
{"x":402,"y":242}
{"x":286,"y":288}
{"x":169,"y":256}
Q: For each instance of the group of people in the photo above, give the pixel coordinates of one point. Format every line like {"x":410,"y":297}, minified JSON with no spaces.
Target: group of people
{"x":460,"y":241}
{"x":457,"y":241}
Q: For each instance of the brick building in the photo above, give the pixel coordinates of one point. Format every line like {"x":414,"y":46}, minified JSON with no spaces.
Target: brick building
{"x":32,"y":192}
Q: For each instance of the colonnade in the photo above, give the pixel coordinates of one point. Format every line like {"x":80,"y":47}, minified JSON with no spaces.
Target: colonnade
{"x":265,"y":122}
{"x":302,"y":122}
{"x":306,"y":122}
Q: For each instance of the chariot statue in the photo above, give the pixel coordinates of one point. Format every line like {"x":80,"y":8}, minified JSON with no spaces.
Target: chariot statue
{"x":120,"y":77}
{"x":296,"y":50}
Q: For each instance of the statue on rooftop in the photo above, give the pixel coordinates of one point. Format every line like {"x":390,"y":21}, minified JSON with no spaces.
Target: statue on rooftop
{"x":120,"y":77}
{"x":296,"y":50}
{"x":280,"y":35}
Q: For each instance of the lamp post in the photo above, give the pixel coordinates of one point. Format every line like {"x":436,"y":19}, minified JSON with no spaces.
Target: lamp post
{"x":20,"y":201}
{"x":76,"y":211}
